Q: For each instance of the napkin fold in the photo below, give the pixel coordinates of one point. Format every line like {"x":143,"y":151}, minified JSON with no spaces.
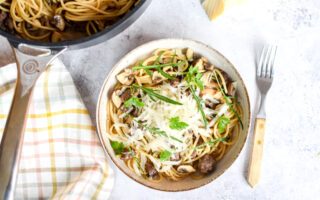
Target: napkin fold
{"x":61,"y":157}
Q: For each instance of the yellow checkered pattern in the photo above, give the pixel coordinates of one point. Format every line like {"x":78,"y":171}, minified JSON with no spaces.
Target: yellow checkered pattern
{"x":61,"y":157}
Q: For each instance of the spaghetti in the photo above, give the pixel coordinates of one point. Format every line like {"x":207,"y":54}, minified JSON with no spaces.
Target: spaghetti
{"x":173,"y":114}
{"x":60,"y":20}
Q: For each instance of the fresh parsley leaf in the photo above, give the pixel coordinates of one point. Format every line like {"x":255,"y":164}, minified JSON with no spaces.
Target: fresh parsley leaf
{"x":134,"y":101}
{"x":198,"y":81}
{"x":222,"y":124}
{"x":118,"y":147}
{"x":176,"y":124}
{"x":193,"y":77}
{"x":165,"y":155}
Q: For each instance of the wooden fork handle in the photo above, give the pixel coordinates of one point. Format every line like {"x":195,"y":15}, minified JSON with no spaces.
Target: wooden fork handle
{"x":257,"y":151}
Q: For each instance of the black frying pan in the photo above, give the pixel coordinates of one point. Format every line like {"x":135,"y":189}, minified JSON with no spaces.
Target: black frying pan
{"x":32,"y":58}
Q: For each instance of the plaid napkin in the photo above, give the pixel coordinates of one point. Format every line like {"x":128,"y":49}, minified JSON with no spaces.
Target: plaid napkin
{"x":61,"y":157}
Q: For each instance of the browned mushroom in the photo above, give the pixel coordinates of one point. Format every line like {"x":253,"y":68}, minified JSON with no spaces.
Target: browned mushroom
{"x":157,"y":78}
{"x":199,"y":64}
{"x":146,"y":79}
{"x":126,"y":155}
{"x":175,"y":157}
{"x":125,"y":95}
{"x":126,"y":77}
{"x":189,"y":54}
{"x":231,"y":88}
{"x":56,"y":36}
{"x":59,"y":22}
{"x":150,"y":169}
{"x":185,"y":169}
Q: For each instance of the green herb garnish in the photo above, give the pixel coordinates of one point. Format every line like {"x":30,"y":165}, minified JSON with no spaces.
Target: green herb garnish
{"x":199,"y":105}
{"x":211,"y":142}
{"x":134,"y":101}
{"x":158,"y":66}
{"x":228,"y":100}
{"x":164,"y":74}
{"x":193,"y":79}
{"x":176,"y":124}
{"x":152,"y":94}
{"x":118,"y":147}
{"x":157,"y":131}
{"x":165,"y":155}
{"x":222,"y":124}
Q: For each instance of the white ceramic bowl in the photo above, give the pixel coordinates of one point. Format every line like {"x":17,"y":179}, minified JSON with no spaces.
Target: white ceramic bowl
{"x":143,"y":51}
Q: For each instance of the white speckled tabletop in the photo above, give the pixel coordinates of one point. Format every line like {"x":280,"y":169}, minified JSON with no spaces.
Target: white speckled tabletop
{"x":291,"y":163}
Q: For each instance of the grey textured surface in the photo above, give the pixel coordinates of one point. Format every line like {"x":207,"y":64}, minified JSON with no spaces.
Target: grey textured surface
{"x":291,"y":164}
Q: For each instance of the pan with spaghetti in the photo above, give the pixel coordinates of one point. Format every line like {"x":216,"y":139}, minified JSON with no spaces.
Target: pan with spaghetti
{"x":173,"y":111}
{"x":39,"y":31}
{"x":60,"y":20}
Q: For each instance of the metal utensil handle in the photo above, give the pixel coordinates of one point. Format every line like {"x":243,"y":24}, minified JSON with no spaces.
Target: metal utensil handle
{"x":31,"y":62}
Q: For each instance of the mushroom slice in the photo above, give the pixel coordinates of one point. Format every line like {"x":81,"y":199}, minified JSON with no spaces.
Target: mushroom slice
{"x":116,"y":99}
{"x":212,"y":93}
{"x":232,"y":88}
{"x":157,"y":77}
{"x":146,"y":79}
{"x":207,"y":80}
{"x":208,"y":91}
{"x":189,"y":54}
{"x":209,"y":67}
{"x":59,"y":22}
{"x":186,"y":169}
{"x":56,"y":37}
{"x":126,"y":77}
{"x":199,"y":65}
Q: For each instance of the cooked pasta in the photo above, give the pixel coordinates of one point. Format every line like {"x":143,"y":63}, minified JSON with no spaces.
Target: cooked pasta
{"x":60,"y":20}
{"x":173,"y":114}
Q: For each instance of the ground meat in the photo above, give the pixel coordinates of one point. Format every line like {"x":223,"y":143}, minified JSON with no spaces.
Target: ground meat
{"x":152,"y":172}
{"x":125,"y":95}
{"x":206,"y":164}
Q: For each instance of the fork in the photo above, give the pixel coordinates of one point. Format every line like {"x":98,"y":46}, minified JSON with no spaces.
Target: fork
{"x":264,"y":79}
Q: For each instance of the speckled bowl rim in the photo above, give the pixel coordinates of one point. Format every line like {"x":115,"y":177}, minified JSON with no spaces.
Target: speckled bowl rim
{"x":233,"y":158}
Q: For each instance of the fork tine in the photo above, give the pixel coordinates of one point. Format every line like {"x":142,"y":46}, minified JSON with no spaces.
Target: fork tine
{"x":262,"y":57}
{"x":273,"y":59}
{"x":265,"y":62}
{"x":269,"y":62}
